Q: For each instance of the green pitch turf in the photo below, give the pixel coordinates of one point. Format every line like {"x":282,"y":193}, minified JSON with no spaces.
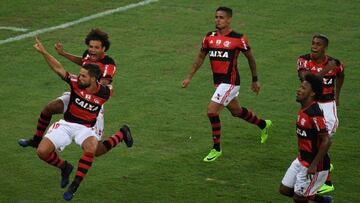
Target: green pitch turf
{"x":154,"y":47}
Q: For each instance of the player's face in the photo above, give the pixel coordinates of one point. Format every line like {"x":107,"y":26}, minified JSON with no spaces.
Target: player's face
{"x":222,"y":20}
{"x":96,"y":50}
{"x":318,"y":48}
{"x":84,"y":79}
{"x":304,"y":92}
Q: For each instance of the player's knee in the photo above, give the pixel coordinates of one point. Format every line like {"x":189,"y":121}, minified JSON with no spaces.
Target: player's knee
{"x":90,"y":145}
{"x":286,"y":191}
{"x":42,"y":153}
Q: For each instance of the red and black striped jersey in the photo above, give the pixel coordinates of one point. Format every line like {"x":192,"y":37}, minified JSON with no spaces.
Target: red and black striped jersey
{"x":309,"y":124}
{"x":106,"y":64}
{"x":84,"y":106}
{"x":304,"y":63}
{"x":223,"y":52}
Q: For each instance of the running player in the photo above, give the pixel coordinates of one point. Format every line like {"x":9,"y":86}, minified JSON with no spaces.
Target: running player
{"x":224,"y":46}
{"x":332,"y":71}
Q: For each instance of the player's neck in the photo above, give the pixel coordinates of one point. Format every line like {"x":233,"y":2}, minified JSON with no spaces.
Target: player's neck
{"x":224,"y":30}
{"x":320,"y":59}
{"x":307,"y":102}
{"x":92,"y":87}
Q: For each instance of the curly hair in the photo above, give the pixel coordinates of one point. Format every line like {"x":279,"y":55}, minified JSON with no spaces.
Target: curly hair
{"x":97,"y":34}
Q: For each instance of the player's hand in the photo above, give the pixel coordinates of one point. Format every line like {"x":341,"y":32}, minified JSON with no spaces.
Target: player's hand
{"x":59,"y":48}
{"x":311,"y":171}
{"x":255,"y":87}
{"x":328,"y":67}
{"x":337,"y":101}
{"x":185,"y":83}
{"x":38,"y":46}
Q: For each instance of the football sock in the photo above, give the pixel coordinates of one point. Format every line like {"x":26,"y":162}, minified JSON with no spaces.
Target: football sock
{"x":252,"y":118}
{"x":84,"y":165}
{"x":216,"y":127}
{"x":54,"y":160}
{"x":112,"y":141}
{"x":217,"y":147}
{"x":42,"y":124}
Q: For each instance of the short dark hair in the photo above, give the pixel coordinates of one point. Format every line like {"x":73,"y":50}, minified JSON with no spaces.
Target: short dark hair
{"x":316,"y":84}
{"x":227,"y":10}
{"x":323,"y":37}
{"x":93,"y":70}
{"x":97,"y":34}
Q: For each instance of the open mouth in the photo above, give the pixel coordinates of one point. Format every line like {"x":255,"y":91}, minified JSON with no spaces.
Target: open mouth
{"x":93,"y":57}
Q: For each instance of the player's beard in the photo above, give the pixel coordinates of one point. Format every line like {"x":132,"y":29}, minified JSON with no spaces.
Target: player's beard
{"x":83,"y":86}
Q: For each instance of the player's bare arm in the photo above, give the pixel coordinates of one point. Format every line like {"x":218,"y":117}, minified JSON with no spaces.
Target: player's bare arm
{"x":52,"y":62}
{"x":195,"y":67}
{"x":329,"y":66}
{"x":338,"y":84}
{"x":255,"y":85}
{"x":324,"y":147}
{"x":59,"y":47}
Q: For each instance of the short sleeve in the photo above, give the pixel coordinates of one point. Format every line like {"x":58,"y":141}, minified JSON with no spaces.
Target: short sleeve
{"x":301,"y":65}
{"x":244,"y":44}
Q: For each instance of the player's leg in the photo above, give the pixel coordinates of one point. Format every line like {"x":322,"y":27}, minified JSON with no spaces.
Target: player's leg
{"x":331,"y":121}
{"x":56,"y":139}
{"x":305,"y":188}
{"x":242,"y":112}
{"x":54,"y":107}
{"x":86,"y":138}
{"x":288,"y":182}
{"x":213,"y":113}
{"x":124,"y":134}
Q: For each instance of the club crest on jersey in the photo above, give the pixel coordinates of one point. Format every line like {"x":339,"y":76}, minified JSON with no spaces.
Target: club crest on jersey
{"x":86,"y":105}
{"x":226,"y":43}
{"x":218,"y":42}
{"x":303,"y":121}
{"x":218,"y":54}
{"x":211,"y":42}
{"x":88,"y":97}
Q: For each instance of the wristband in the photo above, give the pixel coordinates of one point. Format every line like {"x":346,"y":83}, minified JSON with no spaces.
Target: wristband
{"x":254,"y":78}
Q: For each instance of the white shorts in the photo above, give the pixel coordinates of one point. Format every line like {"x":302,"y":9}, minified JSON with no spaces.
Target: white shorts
{"x":225,"y":93}
{"x":99,"y":125}
{"x":295,"y":177}
{"x":62,"y":133}
{"x":330,"y":115}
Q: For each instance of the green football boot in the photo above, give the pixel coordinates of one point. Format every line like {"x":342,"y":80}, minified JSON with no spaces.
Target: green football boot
{"x":265,"y":131}
{"x":212,"y":156}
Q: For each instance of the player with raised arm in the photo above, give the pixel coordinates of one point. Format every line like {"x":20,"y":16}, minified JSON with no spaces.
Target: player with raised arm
{"x":98,"y":43}
{"x":86,"y":98}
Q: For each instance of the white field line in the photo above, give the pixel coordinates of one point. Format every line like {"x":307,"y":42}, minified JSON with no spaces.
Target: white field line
{"x":84,"y":19}
{"x":17,"y":29}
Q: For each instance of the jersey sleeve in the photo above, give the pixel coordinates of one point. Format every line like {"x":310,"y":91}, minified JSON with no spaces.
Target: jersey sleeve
{"x":244,"y":44}
{"x":85,"y":55}
{"x":301,"y":64}
{"x":70,"y":79}
{"x":339,"y":67}
{"x":205,"y":44}
{"x":109,"y":70}
{"x":319,"y":123}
